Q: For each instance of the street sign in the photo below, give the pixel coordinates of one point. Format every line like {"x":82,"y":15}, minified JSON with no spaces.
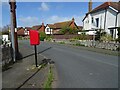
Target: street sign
{"x":34,"y":37}
{"x":34,"y":40}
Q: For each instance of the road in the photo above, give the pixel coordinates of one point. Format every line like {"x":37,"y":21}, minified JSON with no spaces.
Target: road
{"x":79,"y":68}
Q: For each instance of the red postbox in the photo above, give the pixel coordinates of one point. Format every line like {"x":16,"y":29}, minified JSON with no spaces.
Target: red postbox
{"x":34,"y":37}
{"x":34,"y":40}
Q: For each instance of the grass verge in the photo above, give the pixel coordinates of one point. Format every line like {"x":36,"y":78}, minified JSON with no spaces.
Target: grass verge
{"x":48,"y":84}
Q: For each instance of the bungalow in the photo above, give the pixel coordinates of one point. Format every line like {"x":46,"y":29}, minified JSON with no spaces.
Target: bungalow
{"x":56,"y":27}
{"x":104,"y":17}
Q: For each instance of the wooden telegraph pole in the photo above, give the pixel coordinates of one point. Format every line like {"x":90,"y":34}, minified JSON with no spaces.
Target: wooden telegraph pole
{"x":14,"y":28}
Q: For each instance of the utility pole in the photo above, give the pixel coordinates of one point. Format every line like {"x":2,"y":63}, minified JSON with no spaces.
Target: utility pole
{"x":13,"y":29}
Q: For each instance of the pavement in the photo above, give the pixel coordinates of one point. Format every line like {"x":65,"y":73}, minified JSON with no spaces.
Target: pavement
{"x":23,"y":73}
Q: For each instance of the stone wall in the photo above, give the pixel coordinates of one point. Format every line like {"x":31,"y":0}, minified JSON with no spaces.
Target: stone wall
{"x":90,"y":43}
{"x":103,"y":45}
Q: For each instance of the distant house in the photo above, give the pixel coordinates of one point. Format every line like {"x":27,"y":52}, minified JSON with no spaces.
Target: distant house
{"x":104,"y":17}
{"x":23,"y":31}
{"x":20,"y":31}
{"x":49,"y":29}
{"x":56,"y":27}
{"x":40,"y":28}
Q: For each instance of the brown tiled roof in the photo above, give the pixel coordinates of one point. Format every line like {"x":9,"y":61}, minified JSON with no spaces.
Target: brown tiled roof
{"x":106,"y":5}
{"x":51,"y":25}
{"x":37,"y":27}
{"x":80,"y":27}
{"x":28,"y":28}
{"x":63,"y":24}
{"x":60,"y":24}
{"x":115,"y":5}
{"x":20,"y":31}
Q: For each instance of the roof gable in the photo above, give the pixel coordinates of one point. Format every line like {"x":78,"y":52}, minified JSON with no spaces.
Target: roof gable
{"x":51,"y":25}
{"x":63,"y":24}
{"x":37,"y":27}
{"x":106,"y":5}
{"x":115,"y":5}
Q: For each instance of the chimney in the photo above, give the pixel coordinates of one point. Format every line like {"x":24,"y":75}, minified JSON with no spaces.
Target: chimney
{"x":73,"y":19}
{"x":42,"y":24}
{"x":43,"y":28}
{"x":90,"y":6}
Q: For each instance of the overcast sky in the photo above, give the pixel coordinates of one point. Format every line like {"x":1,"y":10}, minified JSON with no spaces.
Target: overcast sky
{"x":34,"y":13}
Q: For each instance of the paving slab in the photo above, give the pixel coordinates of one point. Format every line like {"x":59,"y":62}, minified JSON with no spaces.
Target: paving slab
{"x":23,"y":73}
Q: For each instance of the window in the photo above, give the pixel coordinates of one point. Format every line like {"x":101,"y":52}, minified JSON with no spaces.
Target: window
{"x":47,"y":29}
{"x":92,"y":20}
{"x":97,"y":22}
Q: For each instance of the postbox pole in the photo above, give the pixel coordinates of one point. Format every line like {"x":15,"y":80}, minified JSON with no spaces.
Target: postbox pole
{"x":35,"y":55}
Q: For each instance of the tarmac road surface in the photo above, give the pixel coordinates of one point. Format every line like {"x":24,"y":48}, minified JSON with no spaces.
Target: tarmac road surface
{"x":80,"y":68}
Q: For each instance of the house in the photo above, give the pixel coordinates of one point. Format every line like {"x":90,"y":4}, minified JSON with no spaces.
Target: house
{"x":56,"y":27}
{"x":20,"y":31}
{"x":104,"y":17}
{"x":23,"y":31}
{"x":49,"y":29}
{"x":40,"y":28}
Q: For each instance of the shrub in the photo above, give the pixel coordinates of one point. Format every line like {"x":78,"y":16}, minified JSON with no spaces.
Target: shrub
{"x":79,"y":44}
{"x":48,"y":38}
{"x":42,"y":36}
{"x":68,"y":30}
{"x":106,"y":38}
{"x":62,"y":42}
{"x":118,"y":34}
{"x":83,"y":36}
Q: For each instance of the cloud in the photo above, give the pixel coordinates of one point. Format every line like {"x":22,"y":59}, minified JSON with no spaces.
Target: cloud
{"x":55,"y":18}
{"x":44,"y":7}
{"x":28,"y":21}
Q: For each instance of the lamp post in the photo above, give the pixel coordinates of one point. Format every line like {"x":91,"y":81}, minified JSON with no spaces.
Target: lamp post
{"x":13,"y":29}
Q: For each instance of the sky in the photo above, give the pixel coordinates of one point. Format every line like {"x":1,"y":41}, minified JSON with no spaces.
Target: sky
{"x":34,"y":13}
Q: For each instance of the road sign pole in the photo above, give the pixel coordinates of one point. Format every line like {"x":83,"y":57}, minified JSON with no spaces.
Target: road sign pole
{"x":35,"y":55}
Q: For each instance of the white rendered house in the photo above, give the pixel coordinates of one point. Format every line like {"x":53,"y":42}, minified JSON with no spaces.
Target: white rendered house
{"x":49,"y":29}
{"x":105,"y":17}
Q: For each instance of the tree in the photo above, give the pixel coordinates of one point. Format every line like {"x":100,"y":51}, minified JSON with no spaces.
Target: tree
{"x":42,"y":36}
{"x":99,"y":33}
{"x":5,"y":29}
{"x":64,"y":30}
{"x":68,"y":30}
